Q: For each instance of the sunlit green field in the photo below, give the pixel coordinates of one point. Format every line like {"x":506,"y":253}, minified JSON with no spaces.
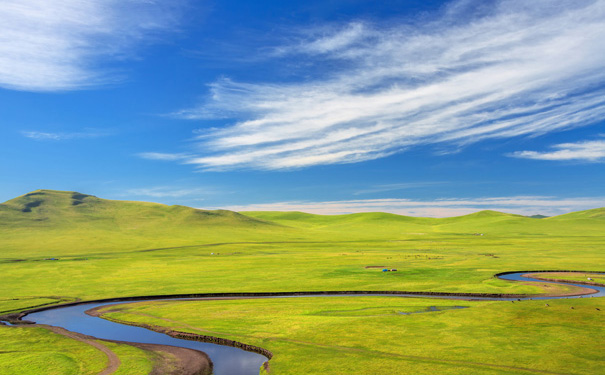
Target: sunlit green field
{"x":115,"y":249}
{"x":597,"y":278}
{"x":33,"y":350}
{"x":371,"y":335}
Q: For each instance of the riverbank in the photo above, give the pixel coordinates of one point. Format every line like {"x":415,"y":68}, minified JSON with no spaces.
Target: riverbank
{"x":381,"y":334}
{"x":166,"y":360}
{"x":564,"y":277}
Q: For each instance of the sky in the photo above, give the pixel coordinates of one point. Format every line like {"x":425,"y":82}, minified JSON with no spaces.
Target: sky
{"x":415,"y":107}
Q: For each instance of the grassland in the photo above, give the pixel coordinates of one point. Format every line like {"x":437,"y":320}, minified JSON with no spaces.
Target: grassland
{"x":581,"y":278}
{"x":35,"y":350}
{"x":370,"y":335}
{"x":115,"y":249}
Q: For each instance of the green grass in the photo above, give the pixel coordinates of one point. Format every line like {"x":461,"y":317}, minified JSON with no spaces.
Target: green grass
{"x":8,"y":305}
{"x":367,"y":335}
{"x":134,"y":361}
{"x":598,"y":278}
{"x":36,"y":350}
{"x":32,"y":350}
{"x":116,"y":249}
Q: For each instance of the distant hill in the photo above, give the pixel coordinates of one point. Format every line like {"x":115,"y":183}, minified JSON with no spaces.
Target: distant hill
{"x":483,"y":222}
{"x":54,"y":208}
{"x":53,"y":222}
{"x":306,"y":220}
{"x":596,"y":213}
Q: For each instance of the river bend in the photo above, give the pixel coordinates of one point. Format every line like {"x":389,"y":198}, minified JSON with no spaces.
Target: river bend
{"x":227,"y":360}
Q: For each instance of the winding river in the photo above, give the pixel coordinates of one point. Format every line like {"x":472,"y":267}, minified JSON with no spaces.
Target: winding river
{"x":227,"y":360}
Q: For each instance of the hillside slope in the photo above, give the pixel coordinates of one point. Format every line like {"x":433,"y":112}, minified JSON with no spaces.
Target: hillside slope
{"x":51,"y":223}
{"x":490,"y":222}
{"x":60,"y":222}
{"x":53,"y":209}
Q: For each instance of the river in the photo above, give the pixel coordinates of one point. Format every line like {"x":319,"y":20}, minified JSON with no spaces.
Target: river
{"x":227,"y":360}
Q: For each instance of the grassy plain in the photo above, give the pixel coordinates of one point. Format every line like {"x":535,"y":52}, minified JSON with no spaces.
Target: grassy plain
{"x":115,"y":249}
{"x":34,"y":350}
{"x":593,"y":278}
{"x":370,"y":335}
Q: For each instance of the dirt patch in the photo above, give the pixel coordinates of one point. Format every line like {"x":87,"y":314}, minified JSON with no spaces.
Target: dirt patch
{"x":376,"y":267}
{"x":177,"y":361}
{"x":185,"y":335}
{"x":114,"y":361}
{"x":537,"y":276}
{"x":171,"y":360}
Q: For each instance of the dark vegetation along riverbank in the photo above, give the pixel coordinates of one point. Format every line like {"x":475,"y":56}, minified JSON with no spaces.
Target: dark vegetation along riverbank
{"x":186,"y":335}
{"x":55,"y":244}
{"x":17,"y":318}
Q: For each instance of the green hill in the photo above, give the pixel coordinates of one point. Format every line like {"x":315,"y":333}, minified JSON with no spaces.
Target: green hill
{"x":596,"y":213}
{"x":49,"y":222}
{"x":53,"y":209}
{"x":379,"y":224}
{"x":66,"y":221}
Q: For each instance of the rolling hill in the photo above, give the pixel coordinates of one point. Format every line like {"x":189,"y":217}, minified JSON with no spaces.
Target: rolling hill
{"x":53,"y":222}
{"x":65,"y":222}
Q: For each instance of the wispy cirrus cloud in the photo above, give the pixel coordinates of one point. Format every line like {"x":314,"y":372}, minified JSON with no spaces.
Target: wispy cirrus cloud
{"x":62,"y":136}
{"x":61,"y":44}
{"x":163,"y":156}
{"x":516,"y":68}
{"x":167,"y":192}
{"x":589,"y":151}
{"x":395,"y":187}
{"x":523,"y":205}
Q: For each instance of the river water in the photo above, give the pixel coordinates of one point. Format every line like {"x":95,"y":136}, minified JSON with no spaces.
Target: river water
{"x":227,"y":360}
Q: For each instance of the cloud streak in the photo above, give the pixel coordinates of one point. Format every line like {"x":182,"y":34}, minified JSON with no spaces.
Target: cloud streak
{"x":52,"y":136}
{"x":62,"y":45}
{"x":399,"y":186}
{"x":524,"y":205}
{"x":163,"y":156}
{"x":590,"y":151}
{"x":168,"y":192}
{"x":517,"y":69}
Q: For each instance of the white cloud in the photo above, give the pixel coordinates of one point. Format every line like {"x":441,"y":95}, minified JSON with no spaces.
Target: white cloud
{"x":61,"y":44}
{"x":523,"y":205}
{"x":163,"y":156}
{"x":167,"y":192}
{"x":592,"y":151}
{"x":395,"y":187}
{"x":520,"y":68}
{"x":50,"y":136}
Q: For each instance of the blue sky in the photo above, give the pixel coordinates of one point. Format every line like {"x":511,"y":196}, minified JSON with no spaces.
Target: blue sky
{"x":424,"y":108}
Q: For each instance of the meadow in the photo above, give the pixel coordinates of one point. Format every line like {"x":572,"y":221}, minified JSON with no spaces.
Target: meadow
{"x":63,"y":246}
{"x":373,"y":335}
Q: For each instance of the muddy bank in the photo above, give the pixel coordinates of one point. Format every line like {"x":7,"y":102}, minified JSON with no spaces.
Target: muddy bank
{"x":264,"y":353}
{"x":185,"y":335}
{"x":113,"y":362}
{"x":170,"y":360}
{"x":543,"y":271}
{"x":186,"y":361}
{"x":536,"y":276}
